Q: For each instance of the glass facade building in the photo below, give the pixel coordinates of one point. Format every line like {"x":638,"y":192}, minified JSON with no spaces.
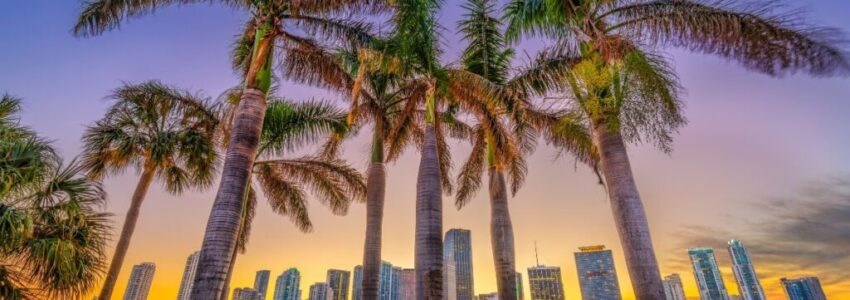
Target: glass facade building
{"x":188,"y":277}
{"x":457,"y":258}
{"x":338,"y":281}
{"x":389,"y":282}
{"x":596,"y":274}
{"x":320,"y":291}
{"x":407,"y":286}
{"x":749,"y":287}
{"x":673,"y":289}
{"x":261,"y":283}
{"x":246,"y":294}
{"x":707,"y":275}
{"x":805,"y":288}
{"x":520,"y":294}
{"x":545,"y":283}
{"x":357,"y":283}
{"x":140,"y":281}
{"x":287,"y":285}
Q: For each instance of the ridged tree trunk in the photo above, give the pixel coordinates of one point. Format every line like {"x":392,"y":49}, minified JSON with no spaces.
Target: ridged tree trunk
{"x":629,"y":214}
{"x":375,"y":190}
{"x":226,"y":215}
{"x":502,"y":236}
{"x":127,"y":232}
{"x":429,"y":222}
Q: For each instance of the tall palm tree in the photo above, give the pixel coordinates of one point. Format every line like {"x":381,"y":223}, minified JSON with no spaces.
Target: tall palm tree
{"x":53,"y":236}
{"x":627,"y":93}
{"x":285,"y":182}
{"x":273,"y":23}
{"x":499,"y":146}
{"x":164,"y":134}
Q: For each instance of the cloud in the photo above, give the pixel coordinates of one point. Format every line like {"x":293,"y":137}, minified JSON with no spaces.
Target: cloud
{"x":804,"y":234}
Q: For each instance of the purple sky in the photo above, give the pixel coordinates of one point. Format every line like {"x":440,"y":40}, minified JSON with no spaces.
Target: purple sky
{"x":750,"y":137}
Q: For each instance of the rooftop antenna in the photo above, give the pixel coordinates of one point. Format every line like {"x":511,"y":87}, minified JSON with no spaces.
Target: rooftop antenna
{"x":536,"y":257}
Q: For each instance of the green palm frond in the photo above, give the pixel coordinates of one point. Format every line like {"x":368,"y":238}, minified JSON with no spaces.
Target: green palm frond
{"x":290,"y":126}
{"x":486,"y":54}
{"x":545,"y":18}
{"x":752,"y":33}
{"x":99,"y":16}
{"x":154,"y":124}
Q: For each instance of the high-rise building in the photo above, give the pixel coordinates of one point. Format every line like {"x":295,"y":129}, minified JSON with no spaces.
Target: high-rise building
{"x":596,"y":274}
{"x":188,"y":277}
{"x":805,"y":288}
{"x":519,"y":292}
{"x":140,"y":281}
{"x":673,"y":289}
{"x":286,"y":285}
{"x":490,"y":296}
{"x":357,"y":283}
{"x":407,"y":284}
{"x":745,"y":273}
{"x":457,"y":259}
{"x":321,"y":291}
{"x":389,"y":282}
{"x":246,"y":294}
{"x":261,"y":283}
{"x":545,"y":283}
{"x":707,"y":275}
{"x":338,"y":281}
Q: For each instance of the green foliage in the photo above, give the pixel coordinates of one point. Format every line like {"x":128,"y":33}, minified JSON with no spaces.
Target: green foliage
{"x":53,"y":236}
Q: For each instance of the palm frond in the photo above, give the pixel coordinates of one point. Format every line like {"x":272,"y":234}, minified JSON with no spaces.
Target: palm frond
{"x":469,"y":179}
{"x":99,"y":16}
{"x":285,"y":197}
{"x":752,"y":33}
{"x":289,"y":126}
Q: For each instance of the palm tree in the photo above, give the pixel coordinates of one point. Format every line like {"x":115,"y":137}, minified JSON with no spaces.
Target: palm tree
{"x":627,"y":93}
{"x":53,"y":238}
{"x":273,"y":23}
{"x":500,"y":144}
{"x":164,"y":134}
{"x":285,"y":182}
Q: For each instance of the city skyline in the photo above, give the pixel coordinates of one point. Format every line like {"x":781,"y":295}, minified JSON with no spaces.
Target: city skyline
{"x":699,"y":185}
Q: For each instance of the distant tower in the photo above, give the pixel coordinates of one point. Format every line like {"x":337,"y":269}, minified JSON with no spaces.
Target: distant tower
{"x":357,"y":284}
{"x":457,"y":259}
{"x":407,"y":284}
{"x":261,"y":283}
{"x":745,"y":273}
{"x":707,"y":275}
{"x":338,"y":281}
{"x":673,"y":287}
{"x":805,"y":288}
{"x":188,"y":277}
{"x":321,"y":291}
{"x":519,"y":292}
{"x":140,"y":281}
{"x":545,"y":283}
{"x":246,"y":294}
{"x":286,"y":285}
{"x":596,"y":274}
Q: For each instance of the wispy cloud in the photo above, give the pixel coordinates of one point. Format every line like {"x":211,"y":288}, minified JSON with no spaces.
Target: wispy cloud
{"x":807,"y":233}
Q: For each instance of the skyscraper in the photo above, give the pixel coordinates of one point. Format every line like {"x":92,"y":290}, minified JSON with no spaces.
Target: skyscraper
{"x":320,"y":291}
{"x":286,"y":285}
{"x":519,"y":292}
{"x":457,"y":257}
{"x":596,"y":274}
{"x":545,"y":283}
{"x":805,"y":288}
{"x":707,"y":275}
{"x":246,"y":294}
{"x":140,"y":281}
{"x":673,"y":289}
{"x":338,"y":281}
{"x":188,"y":277}
{"x":745,"y":273}
{"x":407,"y":286}
{"x":357,"y":284}
{"x":261,"y":283}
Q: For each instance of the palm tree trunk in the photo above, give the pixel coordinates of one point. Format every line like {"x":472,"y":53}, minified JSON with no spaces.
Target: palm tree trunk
{"x":127,"y":232}
{"x":375,"y":189}
{"x":502,"y":236}
{"x":226,"y":215}
{"x":429,"y":222}
{"x":629,"y":215}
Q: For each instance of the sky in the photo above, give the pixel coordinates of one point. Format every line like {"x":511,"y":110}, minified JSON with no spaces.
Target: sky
{"x":763,"y":160}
